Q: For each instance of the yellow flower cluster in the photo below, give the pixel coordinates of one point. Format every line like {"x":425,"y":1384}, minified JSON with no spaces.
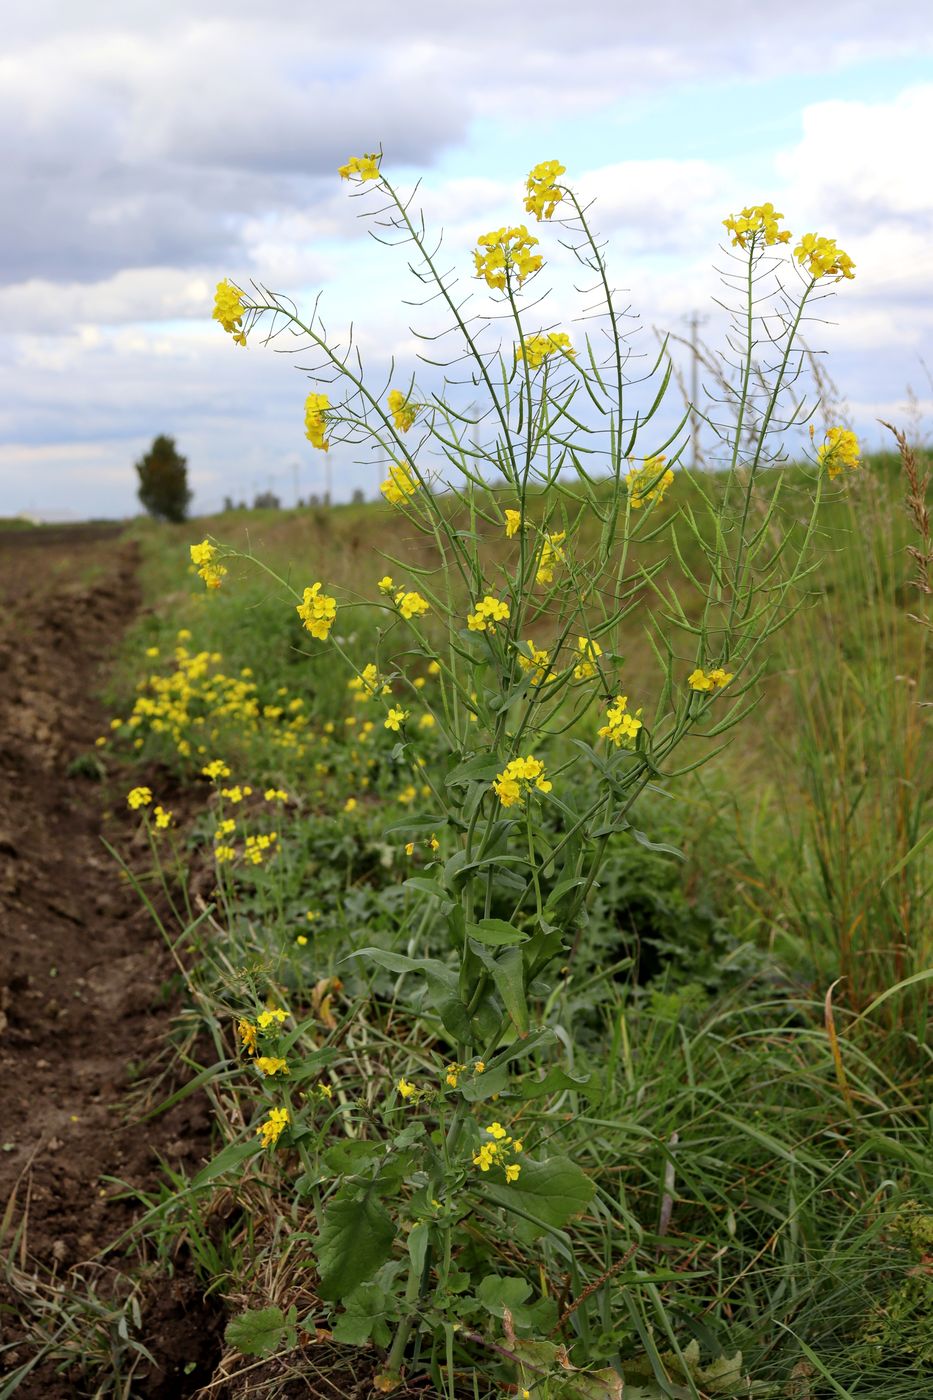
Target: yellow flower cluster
{"x":589,"y":651}
{"x":399,"y":484}
{"x":648,"y":482}
{"x":396,"y":718}
{"x":759,"y":222}
{"x":229,"y":310}
{"x":499,"y":1150}
{"x":403,"y":412}
{"x":621,"y":728}
{"x":365,"y":167}
{"x":368,"y":683}
{"x":271,"y":1130}
{"x":841,"y":449}
{"x":410,"y":604}
{"x":317,"y":611}
{"x":315,"y":427}
{"x":138,"y":797}
{"x":513,"y":523}
{"x":256,"y":846}
{"x":272,"y":1064}
{"x":536,"y":348}
{"x":543,"y":194}
{"x":163,"y":818}
{"x":518,"y":778}
{"x":708,"y":680}
{"x":505,"y":251}
{"x":486,"y":613}
{"x":216,"y":769}
{"x":821,"y":258}
{"x":204,"y":558}
{"x":538,"y":662}
{"x":551,"y":553}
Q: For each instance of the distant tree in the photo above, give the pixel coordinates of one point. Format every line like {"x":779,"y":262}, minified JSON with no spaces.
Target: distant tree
{"x":163,"y":480}
{"x":267,"y":500}
{"x":358,"y":498}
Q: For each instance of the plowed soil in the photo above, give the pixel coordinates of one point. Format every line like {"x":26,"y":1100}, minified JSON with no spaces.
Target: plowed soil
{"x":86,"y":996}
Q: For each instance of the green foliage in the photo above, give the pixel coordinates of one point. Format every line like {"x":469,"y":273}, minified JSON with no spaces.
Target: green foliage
{"x":163,"y":480}
{"x":262,"y":1331}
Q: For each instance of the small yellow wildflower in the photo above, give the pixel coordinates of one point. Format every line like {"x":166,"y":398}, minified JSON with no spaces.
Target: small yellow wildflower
{"x":513,"y":1171}
{"x":486,"y":1156}
{"x":621,"y":728}
{"x":325,"y":1090}
{"x":247,"y":1033}
{"x":216,"y":769}
{"x":434,"y":668}
{"x":486,"y":613}
{"x":152,"y":651}
{"x":275,"y":795}
{"x":204,"y":557}
{"x":403,"y":412}
{"x":543,"y":195}
{"x":409,"y":848}
{"x":513,"y":523}
{"x":271,"y":1130}
{"x":312,"y":915}
{"x":841,"y":449}
{"x":589,"y":651}
{"x":224,"y":854}
{"x":302,"y":940}
{"x":518,"y":778}
{"x":406,"y":1089}
{"x":385,"y":584}
{"x":138,"y":797}
{"x":273,"y":1015}
{"x":229,"y":310}
{"x":396,"y":718}
{"x":411,"y":604}
{"x":163,"y":819}
{"x":350,"y":805}
{"x":506,"y":251}
{"x":399,"y":484}
{"x":434,"y":844}
{"x":758,"y":223}
{"x":452,"y":1074}
{"x":479,"y":1067}
{"x":317,"y":611}
{"x":701,"y":680}
{"x":648,"y":482}
{"x":272,"y":1064}
{"x":236,"y":794}
{"x":365,"y":167}
{"x":535,"y":349}
{"x":551,"y":553}
{"x":821,"y":258}
{"x":427,"y":721}
{"x":315,"y":427}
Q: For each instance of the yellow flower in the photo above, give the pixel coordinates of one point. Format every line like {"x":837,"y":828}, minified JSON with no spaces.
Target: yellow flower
{"x":821,"y":258}
{"x":841,"y":449}
{"x":513,"y":523}
{"x":434,"y":668}
{"x":272,"y":1015}
{"x":409,"y":848}
{"x":216,"y":769}
{"x":496,"y":1130}
{"x":163,"y":818}
{"x":350,"y":805}
{"x":513,"y":1171}
{"x":486,"y":613}
{"x":271,"y":1130}
{"x":247,"y":1033}
{"x":236,"y":795}
{"x":229,"y":310}
{"x":396,"y":718}
{"x":506,"y":251}
{"x":403,"y":412}
{"x":551,"y":552}
{"x":536,"y":348}
{"x":405,"y":1089}
{"x":543,"y":193}
{"x":365,"y":167}
{"x":275,"y":795}
{"x":204,"y":557}
{"x":224,"y":854}
{"x":590,"y":651}
{"x":621,"y":728}
{"x":479,"y":1067}
{"x":138,"y":797}
{"x":411,"y":604}
{"x":385,"y":584}
{"x":758,"y":223}
{"x":317,"y":612}
{"x":452,"y":1074}
{"x":517,"y":779}
{"x":434,"y":843}
{"x":302,"y":940}
{"x":701,"y":680}
{"x":648,"y":482}
{"x":538,"y":663}
{"x":399,"y":484}
{"x":272,"y":1064}
{"x":315,"y":404}
{"x":152,"y":651}
{"x":325,"y":1091}
{"x":486,"y":1156}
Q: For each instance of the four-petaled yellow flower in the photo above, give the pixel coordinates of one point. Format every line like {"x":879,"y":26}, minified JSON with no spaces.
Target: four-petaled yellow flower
{"x":590,"y":651}
{"x":506,"y":251}
{"x":366,"y":167}
{"x":822,"y":258}
{"x":513,"y":523}
{"x":701,"y":680}
{"x":138,"y":797}
{"x":271,"y":1130}
{"x":543,"y":192}
{"x":551,"y":553}
{"x":399,"y":484}
{"x":538,"y":663}
{"x":272,"y":1064}
{"x":273,"y":1015}
{"x":204,"y":557}
{"x":757,"y":224}
{"x":315,"y":427}
{"x":163,"y":818}
{"x":517,"y":779}
{"x":396,"y":718}
{"x":247,"y":1033}
{"x":486,"y":613}
{"x":229,"y":310}
{"x":403,"y":412}
{"x":411,"y":604}
{"x":621,"y":728}
{"x":406,"y":1089}
{"x":385,"y":584}
{"x":216,"y":769}
{"x":536,"y":348}
{"x":317,"y":611}
{"x":648,"y":482}
{"x":501,"y":1151}
{"x":841,"y":449}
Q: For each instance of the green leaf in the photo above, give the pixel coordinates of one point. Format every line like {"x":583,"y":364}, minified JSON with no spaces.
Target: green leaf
{"x":553,"y":1082}
{"x":497,"y":1293}
{"x":262,"y":1331}
{"x":355,"y":1240}
{"x":480,"y":768}
{"x":443,"y":979}
{"x":495,"y":933}
{"x":552,"y":1191}
{"x":425,"y":886}
{"x":508,"y":973}
{"x":231,"y":1156}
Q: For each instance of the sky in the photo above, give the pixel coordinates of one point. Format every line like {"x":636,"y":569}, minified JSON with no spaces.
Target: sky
{"x":155,"y":148}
